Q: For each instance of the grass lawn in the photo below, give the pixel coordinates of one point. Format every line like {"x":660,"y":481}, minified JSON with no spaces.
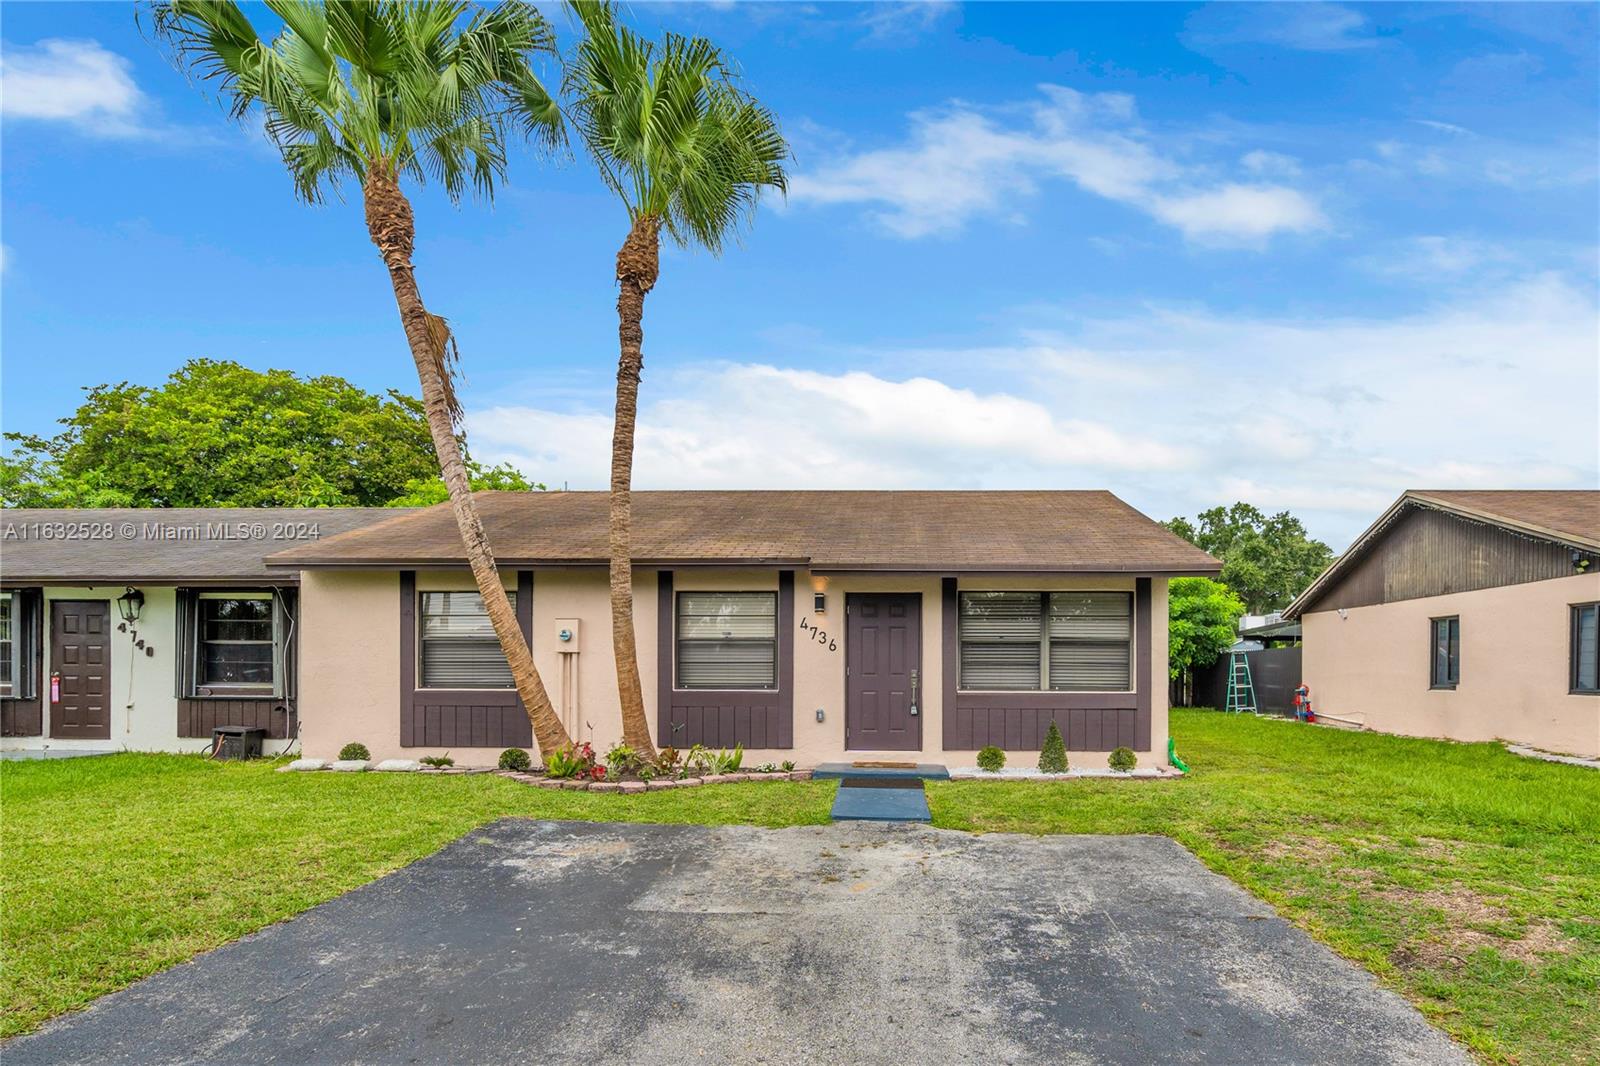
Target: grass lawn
{"x":1464,"y":877}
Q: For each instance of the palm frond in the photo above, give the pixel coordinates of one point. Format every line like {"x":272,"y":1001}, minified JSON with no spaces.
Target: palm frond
{"x":671,"y":133}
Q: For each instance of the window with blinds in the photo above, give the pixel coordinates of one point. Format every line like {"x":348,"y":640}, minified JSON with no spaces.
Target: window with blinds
{"x":236,"y":641}
{"x":1035,"y":642}
{"x":459,"y":648}
{"x":727,"y":640}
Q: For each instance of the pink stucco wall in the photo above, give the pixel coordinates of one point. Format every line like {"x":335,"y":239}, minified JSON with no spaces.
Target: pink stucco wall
{"x":350,"y":665}
{"x":1371,"y":667}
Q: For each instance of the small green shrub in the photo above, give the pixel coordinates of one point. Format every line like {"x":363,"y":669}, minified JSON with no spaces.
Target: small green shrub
{"x":786,"y":766}
{"x":727,"y":762}
{"x":991,"y":759}
{"x":622,"y":759}
{"x":1053,"y":756}
{"x":515,"y":759}
{"x":354,"y":751}
{"x":438,"y":762}
{"x":1122,"y":760}
{"x":698,"y":759}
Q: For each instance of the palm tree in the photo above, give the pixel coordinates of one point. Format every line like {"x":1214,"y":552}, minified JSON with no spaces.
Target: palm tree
{"x":381,"y":92}
{"x":685,"y":151}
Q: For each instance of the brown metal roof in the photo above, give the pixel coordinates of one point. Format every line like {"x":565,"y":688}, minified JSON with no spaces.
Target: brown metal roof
{"x":1034,"y":531}
{"x":1564,"y":516}
{"x":116,"y":545}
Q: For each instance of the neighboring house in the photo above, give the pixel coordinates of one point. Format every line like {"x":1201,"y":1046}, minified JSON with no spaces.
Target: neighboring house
{"x":145,"y":628}
{"x":806,"y":626}
{"x":1471,"y":615}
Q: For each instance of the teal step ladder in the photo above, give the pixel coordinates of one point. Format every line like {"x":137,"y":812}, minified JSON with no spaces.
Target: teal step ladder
{"x":1241,"y":690}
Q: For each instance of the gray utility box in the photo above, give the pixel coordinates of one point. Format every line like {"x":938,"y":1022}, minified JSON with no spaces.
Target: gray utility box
{"x":237,"y":742}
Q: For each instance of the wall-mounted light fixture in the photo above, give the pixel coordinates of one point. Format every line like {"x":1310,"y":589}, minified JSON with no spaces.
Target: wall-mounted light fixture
{"x":819,"y":602}
{"x":819,"y":714}
{"x":129,"y":604}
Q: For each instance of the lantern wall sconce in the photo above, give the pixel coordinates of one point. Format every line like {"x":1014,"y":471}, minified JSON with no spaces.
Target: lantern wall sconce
{"x":129,"y":604}
{"x":819,"y":602}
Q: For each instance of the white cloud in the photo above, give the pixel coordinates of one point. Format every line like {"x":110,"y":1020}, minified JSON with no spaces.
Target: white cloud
{"x":894,"y":23}
{"x":960,"y":162}
{"x":78,"y":83}
{"x":757,"y":426}
{"x":1307,"y":27}
{"x":1175,"y":408}
{"x":1244,"y":212}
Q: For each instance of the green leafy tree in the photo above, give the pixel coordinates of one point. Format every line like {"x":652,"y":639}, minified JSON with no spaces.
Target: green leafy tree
{"x":380,"y":93}
{"x":427,"y":491}
{"x":1267,"y":561}
{"x":1202,"y":622}
{"x":686,"y":151}
{"x":217,"y":434}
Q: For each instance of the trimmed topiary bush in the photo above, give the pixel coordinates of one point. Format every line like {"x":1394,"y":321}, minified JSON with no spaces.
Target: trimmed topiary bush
{"x":514,"y":759}
{"x":1053,"y":756}
{"x":351,"y":752}
{"x":1122,"y":760}
{"x":991,"y":759}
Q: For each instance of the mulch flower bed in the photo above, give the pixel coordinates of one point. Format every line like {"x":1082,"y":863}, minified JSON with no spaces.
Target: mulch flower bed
{"x":658,"y":784}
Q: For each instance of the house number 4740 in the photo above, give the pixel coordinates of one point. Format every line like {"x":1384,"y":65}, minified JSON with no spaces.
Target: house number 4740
{"x":819,"y":635}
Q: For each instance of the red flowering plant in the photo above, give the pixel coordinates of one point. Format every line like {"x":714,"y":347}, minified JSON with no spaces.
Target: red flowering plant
{"x":575,"y":761}
{"x":597,"y":772}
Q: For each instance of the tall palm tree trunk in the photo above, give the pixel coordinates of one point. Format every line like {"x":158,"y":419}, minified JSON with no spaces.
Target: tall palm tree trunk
{"x":391,"y":226}
{"x":638,"y":264}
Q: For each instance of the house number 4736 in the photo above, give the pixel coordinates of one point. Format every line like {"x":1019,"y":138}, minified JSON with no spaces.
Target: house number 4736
{"x":819,"y":635}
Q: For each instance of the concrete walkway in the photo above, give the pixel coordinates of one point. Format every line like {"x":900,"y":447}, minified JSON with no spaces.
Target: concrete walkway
{"x":853,"y":943}
{"x":1550,"y":756}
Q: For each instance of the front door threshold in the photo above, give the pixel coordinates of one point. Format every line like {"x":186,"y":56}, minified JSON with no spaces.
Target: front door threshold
{"x":926,"y":770}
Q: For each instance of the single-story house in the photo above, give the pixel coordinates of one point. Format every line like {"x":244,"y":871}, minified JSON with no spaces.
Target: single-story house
{"x":1470,"y":615}
{"x":144,"y":629}
{"x":806,"y":626}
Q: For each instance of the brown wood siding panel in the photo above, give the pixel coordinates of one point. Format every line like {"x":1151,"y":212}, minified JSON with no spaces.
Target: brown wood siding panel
{"x":198,"y":716}
{"x":1433,"y":553}
{"x":757,"y":719}
{"x":1018,"y":721}
{"x":459,"y":718}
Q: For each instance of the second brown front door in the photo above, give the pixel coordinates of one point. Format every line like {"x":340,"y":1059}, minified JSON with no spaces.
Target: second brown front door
{"x":883,"y":667}
{"x":80,"y":670}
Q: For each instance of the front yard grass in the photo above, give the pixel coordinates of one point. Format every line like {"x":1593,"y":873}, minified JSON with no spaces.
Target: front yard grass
{"x":1464,"y":877}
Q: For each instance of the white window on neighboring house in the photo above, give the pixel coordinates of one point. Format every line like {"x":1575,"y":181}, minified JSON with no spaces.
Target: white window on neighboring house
{"x":727,"y":640}
{"x":10,"y":645}
{"x":1044,"y":642}
{"x":457,"y":646}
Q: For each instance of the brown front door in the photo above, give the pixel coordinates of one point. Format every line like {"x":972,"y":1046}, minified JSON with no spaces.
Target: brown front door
{"x":883,"y":667}
{"x":80,"y":669}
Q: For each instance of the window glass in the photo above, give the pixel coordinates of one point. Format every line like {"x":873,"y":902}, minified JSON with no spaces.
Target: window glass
{"x":9,"y":665}
{"x":1586,"y":648}
{"x":1034,"y":641}
{"x":458,"y":645}
{"x":1000,"y":640}
{"x":1446,"y":652}
{"x":235,"y":637}
{"x":727,"y":640}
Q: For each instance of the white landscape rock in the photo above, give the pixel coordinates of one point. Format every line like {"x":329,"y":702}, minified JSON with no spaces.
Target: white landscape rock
{"x":399,"y":766}
{"x":349,"y":766}
{"x":308,"y":764}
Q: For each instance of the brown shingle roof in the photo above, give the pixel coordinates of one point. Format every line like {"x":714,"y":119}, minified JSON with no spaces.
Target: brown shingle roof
{"x":117,"y":545}
{"x":1035,"y":531}
{"x":1573,"y":513}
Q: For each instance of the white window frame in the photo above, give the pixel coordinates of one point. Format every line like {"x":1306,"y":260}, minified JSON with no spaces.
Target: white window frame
{"x":200,"y":686}
{"x":422,"y":594}
{"x":1045,"y":641}
{"x":13,"y":688}
{"x":678,"y":641}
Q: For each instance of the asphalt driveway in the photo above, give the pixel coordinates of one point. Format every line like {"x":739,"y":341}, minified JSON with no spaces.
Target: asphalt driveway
{"x":542,"y":941}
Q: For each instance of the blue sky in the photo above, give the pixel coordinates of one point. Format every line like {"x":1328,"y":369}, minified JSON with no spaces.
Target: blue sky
{"x":1303,"y":255}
